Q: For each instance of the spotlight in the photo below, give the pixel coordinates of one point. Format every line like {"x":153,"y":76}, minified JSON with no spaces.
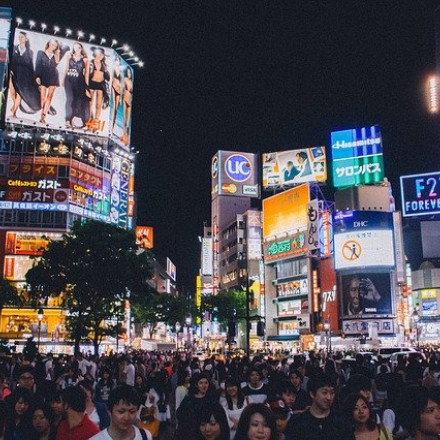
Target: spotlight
{"x":43,"y":26}
{"x":68,"y":32}
{"x":19,"y":20}
{"x":31,"y":24}
{"x":114,"y":42}
{"x":91,"y":37}
{"x":80,"y":34}
{"x":56,"y":29}
{"x":103,"y":40}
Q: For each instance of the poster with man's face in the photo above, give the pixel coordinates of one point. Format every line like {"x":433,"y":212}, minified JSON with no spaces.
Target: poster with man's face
{"x":366,"y":294}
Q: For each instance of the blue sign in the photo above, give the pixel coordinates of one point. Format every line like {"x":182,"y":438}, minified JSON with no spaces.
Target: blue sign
{"x":357,"y":156}
{"x":238,"y":168}
{"x":420,"y":194}
{"x":359,"y":220}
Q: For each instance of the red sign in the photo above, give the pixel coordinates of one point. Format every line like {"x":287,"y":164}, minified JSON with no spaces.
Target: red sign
{"x":329,"y":297}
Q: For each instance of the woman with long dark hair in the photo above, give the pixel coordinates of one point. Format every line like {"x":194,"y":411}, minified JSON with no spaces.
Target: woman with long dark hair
{"x":99,"y":75}
{"x":24,"y":91}
{"x":76,"y":86}
{"x":116,"y":90}
{"x":19,"y":423}
{"x":200,"y":395}
{"x":256,"y":423}
{"x":361,"y":421}
{"x":46,"y":74}
{"x":234,"y":403}
{"x":213,"y":424}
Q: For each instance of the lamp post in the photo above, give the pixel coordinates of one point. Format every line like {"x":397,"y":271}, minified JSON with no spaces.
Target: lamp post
{"x":188,"y":322}
{"x":328,"y":335}
{"x":40,"y":318}
{"x":178,"y":327}
{"x":415,"y":321}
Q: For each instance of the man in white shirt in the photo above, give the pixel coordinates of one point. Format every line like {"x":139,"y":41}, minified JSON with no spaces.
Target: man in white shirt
{"x":123,"y":405}
{"x":129,"y":371}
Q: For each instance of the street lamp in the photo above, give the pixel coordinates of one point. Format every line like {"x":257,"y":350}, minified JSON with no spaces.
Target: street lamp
{"x":178,"y":327}
{"x":415,"y":321}
{"x":188,"y":322}
{"x":328,"y":335}
{"x":40,"y":318}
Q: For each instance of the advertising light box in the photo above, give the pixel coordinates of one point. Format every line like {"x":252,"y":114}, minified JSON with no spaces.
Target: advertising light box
{"x":84,"y":86}
{"x":144,"y":237}
{"x":235,"y":174}
{"x":363,"y":239}
{"x":366,"y":294}
{"x":286,"y":212}
{"x":171,"y":269}
{"x":420,"y":194}
{"x":357,"y":156}
{"x":294,"y":166}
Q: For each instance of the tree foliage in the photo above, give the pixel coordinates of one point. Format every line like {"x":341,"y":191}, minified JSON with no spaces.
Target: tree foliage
{"x":97,"y":267}
{"x":150,"y":310}
{"x":8,"y":294}
{"x":225,"y":305}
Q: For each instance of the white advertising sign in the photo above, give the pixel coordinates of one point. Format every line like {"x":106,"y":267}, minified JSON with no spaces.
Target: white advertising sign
{"x":365,"y":248}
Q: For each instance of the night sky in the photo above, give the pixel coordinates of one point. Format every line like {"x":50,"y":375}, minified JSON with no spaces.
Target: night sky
{"x":258,"y":76}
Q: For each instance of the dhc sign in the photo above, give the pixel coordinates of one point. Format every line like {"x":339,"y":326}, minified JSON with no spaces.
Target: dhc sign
{"x":238,"y":168}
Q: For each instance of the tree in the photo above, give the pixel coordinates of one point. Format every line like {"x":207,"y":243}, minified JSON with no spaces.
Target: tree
{"x":98,"y":267}
{"x":224,"y":305}
{"x":8,"y":294}
{"x":150,"y":310}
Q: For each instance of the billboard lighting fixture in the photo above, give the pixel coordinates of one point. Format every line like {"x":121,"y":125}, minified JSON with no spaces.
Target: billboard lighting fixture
{"x":91,"y":37}
{"x":31,"y":24}
{"x":43,"y":26}
{"x":56,"y":29}
{"x":19,"y":20}
{"x":139,"y":63}
{"x":114,"y":42}
{"x":103,"y":40}
{"x":68,"y":32}
{"x":80,"y":34}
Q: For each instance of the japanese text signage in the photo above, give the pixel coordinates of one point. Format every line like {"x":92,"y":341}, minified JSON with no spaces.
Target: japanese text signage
{"x":361,"y":327}
{"x":363,"y":239}
{"x":420,"y":194}
{"x":357,"y":156}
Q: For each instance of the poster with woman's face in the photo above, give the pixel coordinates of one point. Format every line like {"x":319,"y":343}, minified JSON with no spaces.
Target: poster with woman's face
{"x":60,"y":83}
{"x":121,"y":101}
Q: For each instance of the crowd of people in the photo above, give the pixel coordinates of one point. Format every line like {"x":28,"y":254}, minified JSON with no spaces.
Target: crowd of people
{"x":176,"y":396}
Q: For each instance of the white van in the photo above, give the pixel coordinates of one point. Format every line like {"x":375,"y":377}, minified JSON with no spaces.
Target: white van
{"x":386,"y":352}
{"x":400,"y":355}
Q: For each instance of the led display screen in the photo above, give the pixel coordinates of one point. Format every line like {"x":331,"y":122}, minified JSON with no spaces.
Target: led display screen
{"x":357,"y":156}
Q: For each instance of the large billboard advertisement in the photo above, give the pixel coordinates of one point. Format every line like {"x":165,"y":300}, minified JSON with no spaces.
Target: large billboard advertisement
{"x":171,"y":269}
{"x":420,"y":194}
{"x":366,"y":294}
{"x":357,"y":156}
{"x":207,"y":254}
{"x":235,"y":174}
{"x":285,"y":223}
{"x":286,"y":212}
{"x":293,"y":167}
{"x":144,"y":237}
{"x":363,"y":239}
{"x":5,"y":30}
{"x":57,"y":82}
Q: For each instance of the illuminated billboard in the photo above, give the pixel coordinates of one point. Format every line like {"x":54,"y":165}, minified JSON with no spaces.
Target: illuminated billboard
{"x":363,"y":239}
{"x":294,"y":167}
{"x":171,"y":269}
{"x":58,"y":83}
{"x":16,"y":267}
{"x":29,"y":242}
{"x":235,"y":174}
{"x":357,"y":156}
{"x":207,"y":254}
{"x":5,"y":30}
{"x":144,"y":237}
{"x":366,"y":294}
{"x":286,"y":212}
{"x":420,"y":194}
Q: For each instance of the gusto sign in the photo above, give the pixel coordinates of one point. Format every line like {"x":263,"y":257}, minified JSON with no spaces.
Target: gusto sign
{"x":238,"y":168}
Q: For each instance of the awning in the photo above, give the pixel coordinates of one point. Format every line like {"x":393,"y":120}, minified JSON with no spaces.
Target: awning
{"x":283,"y":338}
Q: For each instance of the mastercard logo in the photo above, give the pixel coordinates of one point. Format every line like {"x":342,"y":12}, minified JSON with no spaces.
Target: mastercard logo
{"x":229,"y":188}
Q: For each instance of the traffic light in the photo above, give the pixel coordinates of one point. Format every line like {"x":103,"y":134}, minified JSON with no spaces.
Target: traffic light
{"x":260,"y":328}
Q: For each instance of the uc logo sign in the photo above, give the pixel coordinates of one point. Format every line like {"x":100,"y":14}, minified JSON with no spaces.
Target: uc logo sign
{"x":238,"y":168}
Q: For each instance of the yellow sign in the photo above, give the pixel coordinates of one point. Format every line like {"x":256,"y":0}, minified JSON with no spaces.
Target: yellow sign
{"x":286,"y":212}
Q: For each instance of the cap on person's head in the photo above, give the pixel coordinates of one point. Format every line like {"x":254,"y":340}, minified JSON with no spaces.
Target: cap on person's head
{"x":278,"y":406}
